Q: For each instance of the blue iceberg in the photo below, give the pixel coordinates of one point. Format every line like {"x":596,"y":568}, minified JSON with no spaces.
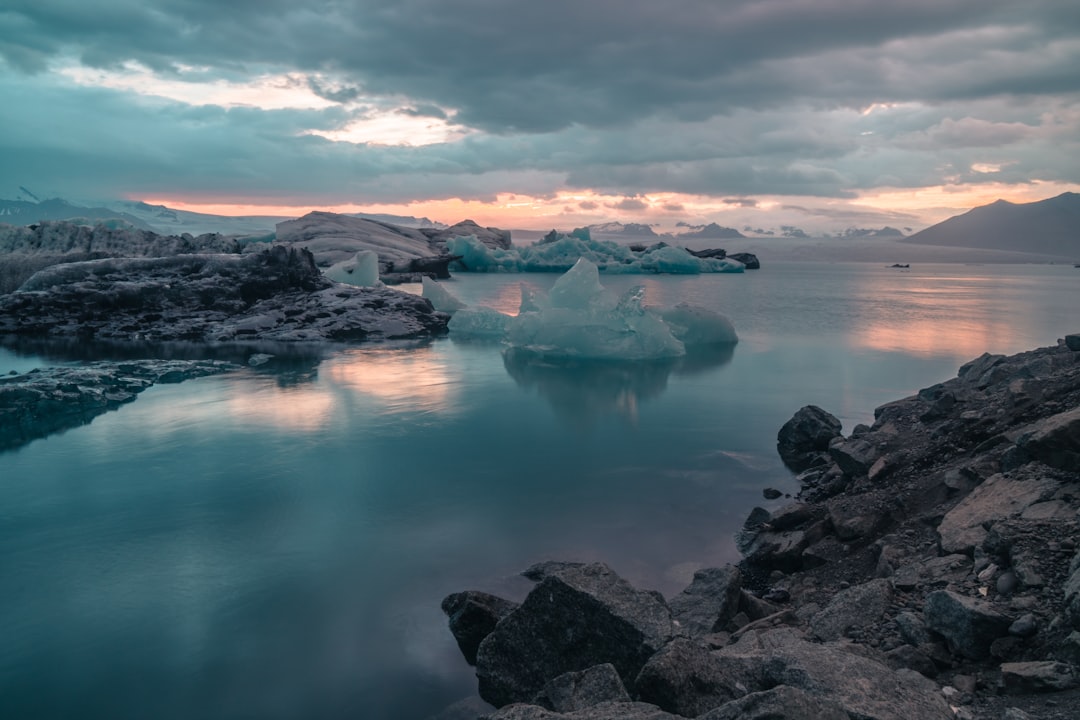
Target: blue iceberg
{"x":579,"y":318}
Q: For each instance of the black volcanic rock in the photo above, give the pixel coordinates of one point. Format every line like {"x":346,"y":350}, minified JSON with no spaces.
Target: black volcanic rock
{"x":804,"y":439}
{"x":277,"y":294}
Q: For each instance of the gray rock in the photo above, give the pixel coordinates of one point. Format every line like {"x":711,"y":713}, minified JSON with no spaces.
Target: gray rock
{"x":687,"y":679}
{"x":854,"y":456}
{"x":603,"y":711}
{"x":858,"y":606}
{"x":782,"y":657}
{"x":998,"y":497}
{"x":912,"y":658}
{"x":1039,"y":676}
{"x":472,"y":616}
{"x":932,"y":571}
{"x":806,"y":436}
{"x":1072,"y":592}
{"x":750,"y":260}
{"x":576,"y":617}
{"x":1073,"y":341}
{"x":912,"y":628}
{"x":779,"y":703}
{"x":969,"y":625}
{"x":1024,"y":626}
{"x":275,"y":295}
{"x":580,"y":690}
{"x":852,"y":518}
{"x":709,"y":602}
{"x":1055,"y":440}
{"x":977,"y":368}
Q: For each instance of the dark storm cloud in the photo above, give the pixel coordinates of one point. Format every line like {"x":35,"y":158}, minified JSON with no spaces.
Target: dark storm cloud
{"x":745,"y":98}
{"x":541,"y":66}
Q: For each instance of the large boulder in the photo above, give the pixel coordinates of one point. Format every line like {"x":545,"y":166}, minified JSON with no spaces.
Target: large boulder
{"x":862,"y":687}
{"x":804,"y":439}
{"x":686,"y":679}
{"x":970,"y":626}
{"x":858,"y":606}
{"x":997,"y":498}
{"x":472,"y":616}
{"x":779,"y":703}
{"x":576,"y":617}
{"x":579,"y":690}
{"x":709,"y":602}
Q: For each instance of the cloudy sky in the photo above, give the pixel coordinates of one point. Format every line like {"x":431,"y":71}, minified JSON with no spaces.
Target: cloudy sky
{"x":823,"y":114}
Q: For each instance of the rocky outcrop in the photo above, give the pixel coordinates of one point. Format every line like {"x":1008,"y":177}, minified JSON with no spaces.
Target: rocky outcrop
{"x":930,"y":568}
{"x":750,"y":260}
{"x":576,"y":617}
{"x":804,"y":439}
{"x":277,"y":294}
{"x":473,"y":615}
{"x":42,"y":402}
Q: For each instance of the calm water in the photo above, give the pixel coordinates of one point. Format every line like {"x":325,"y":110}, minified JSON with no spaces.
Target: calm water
{"x":275,"y":545}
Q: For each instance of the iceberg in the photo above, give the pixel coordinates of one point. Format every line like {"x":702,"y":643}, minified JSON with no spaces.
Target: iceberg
{"x":559,"y":252}
{"x":441,"y":298}
{"x":362,"y":270}
{"x":580,"y":319}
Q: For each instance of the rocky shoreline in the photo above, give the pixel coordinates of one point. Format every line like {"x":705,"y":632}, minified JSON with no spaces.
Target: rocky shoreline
{"x":928,"y":569}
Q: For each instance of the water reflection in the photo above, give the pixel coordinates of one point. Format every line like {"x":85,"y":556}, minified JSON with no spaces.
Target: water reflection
{"x":581,"y":391}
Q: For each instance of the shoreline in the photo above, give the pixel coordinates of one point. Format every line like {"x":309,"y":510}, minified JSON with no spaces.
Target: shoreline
{"x":932,"y":554}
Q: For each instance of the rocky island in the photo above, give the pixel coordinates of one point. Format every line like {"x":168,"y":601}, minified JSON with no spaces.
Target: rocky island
{"x":928,"y":569}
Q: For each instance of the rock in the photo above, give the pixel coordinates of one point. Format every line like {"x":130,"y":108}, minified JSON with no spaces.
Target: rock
{"x":490,"y":236}
{"x":472,"y":616}
{"x":1073,"y":342}
{"x":976,"y":370}
{"x":781,"y":657}
{"x":997,"y":498}
{"x":932,"y":571}
{"x":1072,"y":592}
{"x":779,"y":703}
{"x":912,"y":629}
{"x":1006,"y":583}
{"x":603,"y":711}
{"x":969,"y":625}
{"x":852,"y":517}
{"x":859,"y":606}
{"x":1025,"y":626}
{"x":748,"y":259}
{"x":710,"y":601}
{"x":804,"y":439}
{"x":274,"y":295}
{"x":855,"y":456}
{"x":911,"y":658}
{"x":687,"y":679}
{"x":1055,"y":440}
{"x":580,"y":690}
{"x":45,"y":401}
{"x":771,"y":493}
{"x":333,"y":238}
{"x":1039,"y":676}
{"x":576,"y":617}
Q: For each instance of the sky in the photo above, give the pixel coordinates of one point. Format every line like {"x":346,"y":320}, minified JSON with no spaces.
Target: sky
{"x":755,"y":114}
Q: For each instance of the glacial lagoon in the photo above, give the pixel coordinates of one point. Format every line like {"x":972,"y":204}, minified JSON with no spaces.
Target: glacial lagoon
{"x":275,"y":542}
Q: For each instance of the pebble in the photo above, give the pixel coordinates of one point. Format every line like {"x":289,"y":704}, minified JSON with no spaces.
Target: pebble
{"x":1006,"y":583}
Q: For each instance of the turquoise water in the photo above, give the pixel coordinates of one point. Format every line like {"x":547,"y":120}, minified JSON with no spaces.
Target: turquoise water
{"x":275,"y":544}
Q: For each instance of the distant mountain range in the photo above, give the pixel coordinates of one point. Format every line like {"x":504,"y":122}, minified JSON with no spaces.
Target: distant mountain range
{"x":1048,"y":227}
{"x":165,"y":220}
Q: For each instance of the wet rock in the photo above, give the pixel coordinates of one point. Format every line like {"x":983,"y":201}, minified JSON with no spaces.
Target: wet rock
{"x":710,"y":601}
{"x":779,"y":703}
{"x":687,"y":679}
{"x":969,"y":625}
{"x":579,"y":690}
{"x":804,"y":439}
{"x":858,"y":606}
{"x":1039,"y":676}
{"x":576,"y":617}
{"x":472,"y":616}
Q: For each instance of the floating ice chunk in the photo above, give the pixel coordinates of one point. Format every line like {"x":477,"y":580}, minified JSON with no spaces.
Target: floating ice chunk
{"x":479,"y":322}
{"x":560,"y":252}
{"x":362,"y":270}
{"x":695,"y":325}
{"x":440,"y":297}
{"x":530,"y":301}
{"x":578,"y":288}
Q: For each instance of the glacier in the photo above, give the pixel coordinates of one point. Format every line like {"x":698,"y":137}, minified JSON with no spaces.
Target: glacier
{"x":580,"y":319}
{"x":558,"y":252}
